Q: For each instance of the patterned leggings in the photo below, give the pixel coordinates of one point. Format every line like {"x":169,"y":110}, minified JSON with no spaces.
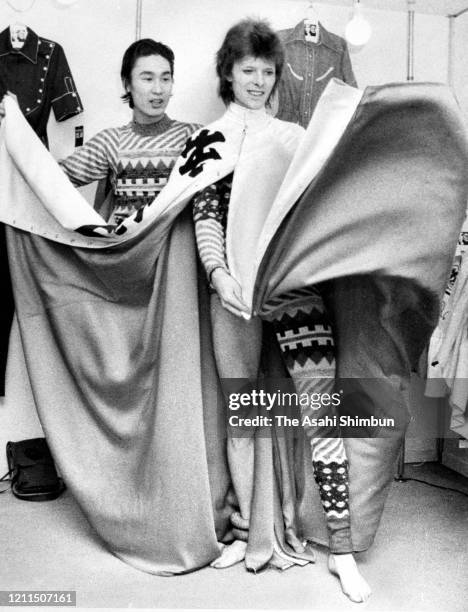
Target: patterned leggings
{"x":305,"y":337}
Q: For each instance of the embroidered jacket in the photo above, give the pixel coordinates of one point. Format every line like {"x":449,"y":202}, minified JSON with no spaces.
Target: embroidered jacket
{"x":308,"y":68}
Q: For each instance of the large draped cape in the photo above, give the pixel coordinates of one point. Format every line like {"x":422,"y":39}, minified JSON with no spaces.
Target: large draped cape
{"x":378,"y":226}
{"x":116,"y":340}
{"x":116,"y":345}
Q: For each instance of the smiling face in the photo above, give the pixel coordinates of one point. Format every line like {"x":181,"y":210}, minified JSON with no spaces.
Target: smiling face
{"x":151,"y":88}
{"x":252,"y":79}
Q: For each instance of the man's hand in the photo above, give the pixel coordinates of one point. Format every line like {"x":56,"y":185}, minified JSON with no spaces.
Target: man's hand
{"x":230,"y":293}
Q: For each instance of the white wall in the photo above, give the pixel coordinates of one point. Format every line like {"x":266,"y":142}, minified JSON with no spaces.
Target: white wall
{"x":94,"y":35}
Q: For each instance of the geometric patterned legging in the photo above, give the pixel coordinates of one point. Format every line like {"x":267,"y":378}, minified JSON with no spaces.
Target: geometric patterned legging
{"x":304,"y":334}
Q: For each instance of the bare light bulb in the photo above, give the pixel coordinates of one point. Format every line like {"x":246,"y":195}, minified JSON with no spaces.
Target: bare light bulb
{"x":358,"y":31}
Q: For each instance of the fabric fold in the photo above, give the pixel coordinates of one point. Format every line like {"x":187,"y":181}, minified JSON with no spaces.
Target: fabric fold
{"x":377,"y":227}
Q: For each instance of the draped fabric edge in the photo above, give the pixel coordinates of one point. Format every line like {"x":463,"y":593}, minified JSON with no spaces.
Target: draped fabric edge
{"x":110,"y":489}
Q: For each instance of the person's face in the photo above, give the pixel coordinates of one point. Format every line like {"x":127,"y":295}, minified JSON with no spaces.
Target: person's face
{"x":151,"y":87}
{"x":253,"y":79}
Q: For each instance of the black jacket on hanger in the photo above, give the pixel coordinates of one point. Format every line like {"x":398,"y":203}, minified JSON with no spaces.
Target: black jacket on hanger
{"x":38,"y":74}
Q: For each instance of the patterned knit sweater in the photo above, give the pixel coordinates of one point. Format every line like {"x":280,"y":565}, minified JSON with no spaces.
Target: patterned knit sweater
{"x":137,"y":158}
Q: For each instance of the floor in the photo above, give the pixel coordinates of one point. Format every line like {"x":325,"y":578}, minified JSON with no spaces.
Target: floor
{"x":418,"y":562}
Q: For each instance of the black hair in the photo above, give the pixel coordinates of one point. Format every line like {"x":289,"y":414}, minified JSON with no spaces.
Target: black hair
{"x":142,"y":48}
{"x":248,"y":37}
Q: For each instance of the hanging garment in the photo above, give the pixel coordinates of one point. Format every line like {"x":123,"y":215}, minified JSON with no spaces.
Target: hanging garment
{"x":436,"y":385}
{"x":448,"y":352}
{"x":322,"y":226}
{"x":308,"y":68}
{"x":38,"y":74}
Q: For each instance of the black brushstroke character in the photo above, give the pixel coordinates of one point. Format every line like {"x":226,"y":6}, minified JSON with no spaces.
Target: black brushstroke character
{"x":195,"y":151}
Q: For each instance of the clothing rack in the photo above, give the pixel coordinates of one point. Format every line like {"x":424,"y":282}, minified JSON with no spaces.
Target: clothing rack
{"x":139,"y":17}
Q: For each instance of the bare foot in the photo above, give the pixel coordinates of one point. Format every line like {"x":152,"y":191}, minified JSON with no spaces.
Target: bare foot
{"x":353,"y":584}
{"x":230,"y":555}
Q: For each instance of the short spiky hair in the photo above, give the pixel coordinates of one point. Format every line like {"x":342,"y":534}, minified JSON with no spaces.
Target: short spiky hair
{"x":142,"y":48}
{"x":249,"y":37}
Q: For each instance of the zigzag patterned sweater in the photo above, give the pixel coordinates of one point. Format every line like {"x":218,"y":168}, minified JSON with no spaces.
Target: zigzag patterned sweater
{"x":137,"y":158}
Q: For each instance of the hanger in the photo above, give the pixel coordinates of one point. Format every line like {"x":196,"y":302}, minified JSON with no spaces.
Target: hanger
{"x":18,"y":31}
{"x":311,"y":24}
{"x":18,"y":34}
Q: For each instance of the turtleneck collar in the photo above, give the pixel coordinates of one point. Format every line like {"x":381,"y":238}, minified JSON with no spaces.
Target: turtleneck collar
{"x":152,"y":129}
{"x":247,"y":117}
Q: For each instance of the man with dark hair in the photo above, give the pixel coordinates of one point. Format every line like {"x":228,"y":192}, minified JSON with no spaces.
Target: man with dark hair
{"x":142,"y":48}
{"x":137,"y":157}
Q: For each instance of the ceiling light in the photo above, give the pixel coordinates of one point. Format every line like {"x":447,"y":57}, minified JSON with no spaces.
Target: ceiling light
{"x":358,"y":31}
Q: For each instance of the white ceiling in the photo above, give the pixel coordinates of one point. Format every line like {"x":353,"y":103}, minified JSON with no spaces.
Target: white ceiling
{"x":435,"y":7}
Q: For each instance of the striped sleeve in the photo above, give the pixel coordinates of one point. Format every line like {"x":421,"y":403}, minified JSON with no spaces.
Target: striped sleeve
{"x":210,"y":209}
{"x":92,"y":161}
{"x":210,"y":243}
